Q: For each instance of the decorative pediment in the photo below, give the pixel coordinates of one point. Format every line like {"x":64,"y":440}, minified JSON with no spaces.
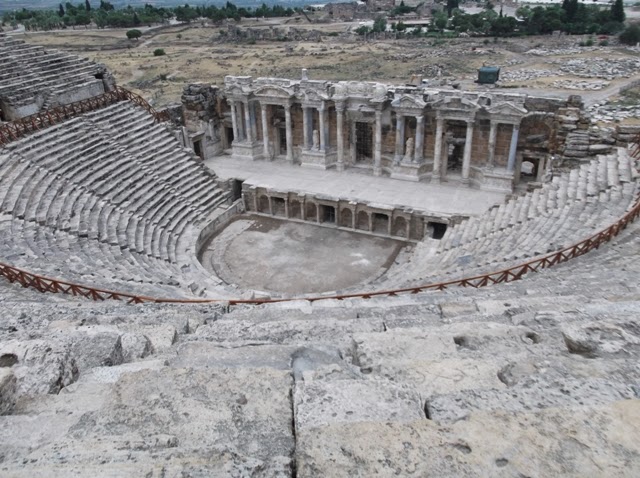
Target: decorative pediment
{"x":408,"y":102}
{"x":456,"y":103}
{"x":507,"y":109}
{"x":312,"y":96}
{"x":273,"y":91}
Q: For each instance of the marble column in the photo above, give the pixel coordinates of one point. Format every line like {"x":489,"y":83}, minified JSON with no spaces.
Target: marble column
{"x":234,"y":122}
{"x":377,"y":146}
{"x":322,"y":127}
{"x":437,"y":153}
{"x":265,"y":132}
{"x":399,"y":138}
{"x":466,"y":159}
{"x":352,"y":144}
{"x":247,"y":122}
{"x":512,"y":148}
{"x":254,"y":121}
{"x":419,"y":146}
{"x":340,"y":137}
{"x":306,"y":126}
{"x":493,"y":131}
{"x":289,"y":132}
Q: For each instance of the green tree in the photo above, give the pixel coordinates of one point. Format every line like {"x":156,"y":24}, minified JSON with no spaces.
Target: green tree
{"x":631,"y":35}
{"x":451,"y":6}
{"x":134,"y":34}
{"x":379,"y":25}
{"x":159,"y":52}
{"x":106,"y":6}
{"x":617,"y":11}
{"x":440,"y":20}
{"x":87,"y":5}
{"x":61,"y":11}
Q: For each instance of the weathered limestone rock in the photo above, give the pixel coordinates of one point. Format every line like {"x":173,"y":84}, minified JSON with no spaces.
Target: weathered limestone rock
{"x":96,"y":348}
{"x":319,"y":403}
{"x":532,"y":394}
{"x":134,"y":347}
{"x":42,"y":367}
{"x":552,"y":442}
{"x":601,"y":339}
{"x":7,"y":390}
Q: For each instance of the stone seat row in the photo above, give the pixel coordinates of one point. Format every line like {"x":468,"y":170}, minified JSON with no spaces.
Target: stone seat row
{"x":544,"y":235}
{"x":47,"y":64}
{"x":541,"y":222}
{"x":79,"y":181}
{"x":587,"y":181}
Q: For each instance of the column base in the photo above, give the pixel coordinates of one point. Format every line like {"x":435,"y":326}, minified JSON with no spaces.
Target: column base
{"x":317,"y":159}
{"x":377,"y":171}
{"x":339,"y":166}
{"x":252,"y":151}
{"x":466,"y":181}
{"x":493,"y":179}
{"x":435,"y":179}
{"x":409,"y":171}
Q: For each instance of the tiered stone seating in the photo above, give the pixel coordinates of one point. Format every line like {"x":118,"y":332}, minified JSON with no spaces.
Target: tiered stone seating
{"x":106,"y":199}
{"x":27,"y":72}
{"x":533,"y":375}
{"x":572,"y":207}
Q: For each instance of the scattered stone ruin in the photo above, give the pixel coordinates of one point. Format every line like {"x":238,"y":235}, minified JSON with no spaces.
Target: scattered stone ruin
{"x":534,"y":377}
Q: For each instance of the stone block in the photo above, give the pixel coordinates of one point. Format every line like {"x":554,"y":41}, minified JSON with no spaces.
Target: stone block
{"x":318,"y":403}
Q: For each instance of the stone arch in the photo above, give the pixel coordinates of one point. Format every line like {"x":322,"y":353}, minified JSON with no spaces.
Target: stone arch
{"x":363,"y":221}
{"x":399,"y":227}
{"x":346,"y":217}
{"x":263,"y":204}
{"x":311,"y":211}
{"x":278,"y":206}
{"x":295,"y":209}
{"x":380,"y":223}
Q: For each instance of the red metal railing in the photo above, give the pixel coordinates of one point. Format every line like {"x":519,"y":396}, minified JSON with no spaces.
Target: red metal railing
{"x":47,"y":284}
{"x":15,"y":130}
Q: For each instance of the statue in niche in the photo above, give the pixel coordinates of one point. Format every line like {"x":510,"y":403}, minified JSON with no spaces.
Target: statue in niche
{"x":316,"y":139}
{"x":408,"y":150}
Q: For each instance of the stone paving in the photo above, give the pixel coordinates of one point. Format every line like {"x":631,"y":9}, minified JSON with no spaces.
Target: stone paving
{"x":443,"y":200}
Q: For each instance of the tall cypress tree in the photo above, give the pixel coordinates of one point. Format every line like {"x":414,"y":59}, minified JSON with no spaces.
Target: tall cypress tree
{"x":61,"y":11}
{"x":617,"y":12}
{"x":87,"y":5}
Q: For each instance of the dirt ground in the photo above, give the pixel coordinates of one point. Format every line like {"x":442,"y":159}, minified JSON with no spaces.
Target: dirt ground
{"x":199,"y":53}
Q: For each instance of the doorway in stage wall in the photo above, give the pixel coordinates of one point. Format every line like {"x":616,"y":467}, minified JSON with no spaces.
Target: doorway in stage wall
{"x":364,"y":142}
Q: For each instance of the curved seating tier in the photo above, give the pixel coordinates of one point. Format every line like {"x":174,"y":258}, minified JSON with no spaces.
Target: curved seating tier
{"x":570,"y":208}
{"x":109,"y":199}
{"x":27,"y":71}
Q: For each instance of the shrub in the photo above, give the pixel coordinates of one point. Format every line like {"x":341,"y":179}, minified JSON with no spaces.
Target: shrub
{"x":158,"y":52}
{"x":134,"y":34}
{"x":631,"y":35}
{"x":604,"y":43}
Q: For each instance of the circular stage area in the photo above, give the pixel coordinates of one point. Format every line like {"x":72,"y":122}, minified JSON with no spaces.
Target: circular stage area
{"x":292,"y":258}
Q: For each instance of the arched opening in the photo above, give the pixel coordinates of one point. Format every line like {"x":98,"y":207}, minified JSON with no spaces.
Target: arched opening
{"x":380,"y":223}
{"x":263,"y":205}
{"x":295,"y":211}
{"x":399,"y":227}
{"x":346,"y":218}
{"x":327,"y":214}
{"x":311,"y":211}
{"x":278,"y":206}
{"x":363,"y":221}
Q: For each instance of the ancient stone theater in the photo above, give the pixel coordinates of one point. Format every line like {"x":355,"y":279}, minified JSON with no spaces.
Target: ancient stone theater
{"x":308,"y":278}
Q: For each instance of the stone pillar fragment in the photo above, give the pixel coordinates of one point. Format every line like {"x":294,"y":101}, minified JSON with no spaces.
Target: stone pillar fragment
{"x":466,"y":159}
{"x":306,"y":127}
{"x":493,"y":131}
{"x":322,"y":127}
{"x":419,"y":146}
{"x":247,"y":123}
{"x":289,"y":132}
{"x":377,"y":146}
{"x":437,"y":153}
{"x":265,"y":131}
{"x":512,"y":148}
{"x":234,"y":122}
{"x":340,"y":137}
{"x":399,"y":138}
